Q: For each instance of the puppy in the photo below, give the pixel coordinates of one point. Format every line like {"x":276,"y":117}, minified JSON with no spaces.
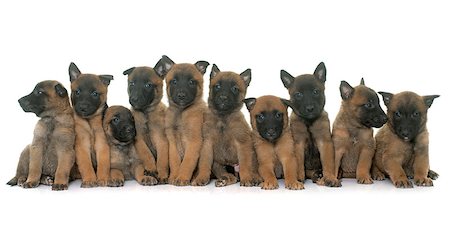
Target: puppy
{"x":145,"y":91}
{"x":273,"y":141}
{"x":120,"y":132}
{"x":50,"y":157}
{"x":311,"y":127}
{"x":88,"y":97}
{"x":184,"y":120}
{"x":402,"y":143}
{"x":352,"y":135}
{"x":227,"y":136}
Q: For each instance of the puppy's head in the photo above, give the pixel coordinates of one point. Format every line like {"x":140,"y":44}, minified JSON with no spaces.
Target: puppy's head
{"x":227,"y":90}
{"x":119,"y":125}
{"x":407,"y":113}
{"x":307,"y":92}
{"x":89,"y":92}
{"x":145,"y":86}
{"x":362,"y":104}
{"x":268,"y":115}
{"x":48,"y":98}
{"x":184,"y":81}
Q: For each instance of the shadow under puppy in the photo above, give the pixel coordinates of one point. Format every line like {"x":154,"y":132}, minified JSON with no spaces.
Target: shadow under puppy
{"x":145,"y":91}
{"x":311,"y":127}
{"x":273,"y":142}
{"x":352,"y":135}
{"x":184,"y":120}
{"x":126,"y":164}
{"x":49,"y":158}
{"x":402,"y":143}
{"x":89,"y":94}
{"x":227,"y":136}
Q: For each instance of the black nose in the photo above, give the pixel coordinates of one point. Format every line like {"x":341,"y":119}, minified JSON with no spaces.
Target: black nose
{"x":271,"y":133}
{"x":310,"y":108}
{"x":133,"y":100}
{"x":83,"y":107}
{"x":181,"y":96}
{"x":404,"y":133}
{"x":129,"y":129}
{"x":223,"y":97}
{"x":384,"y":119}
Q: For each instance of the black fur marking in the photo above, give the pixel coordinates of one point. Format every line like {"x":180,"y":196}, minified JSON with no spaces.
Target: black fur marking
{"x":308,"y":99}
{"x":183,"y":89}
{"x":86,"y":98}
{"x":407,"y":121}
{"x":36,"y":101}
{"x":123,"y":127}
{"x":141,"y":91}
{"x":270,"y":124}
{"x":370,"y":113}
{"x":225,"y":96}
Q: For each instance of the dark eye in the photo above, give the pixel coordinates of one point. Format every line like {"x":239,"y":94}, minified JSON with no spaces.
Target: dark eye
{"x":39,"y":92}
{"x":398,"y":114}
{"x":131,"y":84}
{"x":298,"y":95}
{"x":278,"y":115}
{"x":148,"y":85}
{"x":115,"y":120}
{"x":416,"y":114}
{"x":173,"y":82}
{"x":260,"y":118}
{"x":77,"y":92}
{"x":192,"y":82}
{"x":94,"y":94}
{"x":217,"y":87}
{"x":316,"y":92}
{"x":368,"y":105}
{"x":235,"y":89}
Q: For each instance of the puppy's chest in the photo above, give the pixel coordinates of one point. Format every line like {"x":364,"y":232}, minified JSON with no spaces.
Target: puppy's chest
{"x":224,"y":143}
{"x":120,"y":156}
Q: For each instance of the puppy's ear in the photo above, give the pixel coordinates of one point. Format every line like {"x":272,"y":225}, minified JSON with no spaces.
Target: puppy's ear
{"x":60,"y":90}
{"x":321,"y":72}
{"x":250,"y":103}
{"x":201,"y":66}
{"x":428,"y":99}
{"x":346,"y":90}
{"x":286,"y":78}
{"x":362,"y":82}
{"x":246,"y":76}
{"x":286,"y":102}
{"x":74,"y":72}
{"x":106,"y":78}
{"x":128,"y":71}
{"x":214,"y":71}
{"x":387,"y":97}
{"x":163,"y":66}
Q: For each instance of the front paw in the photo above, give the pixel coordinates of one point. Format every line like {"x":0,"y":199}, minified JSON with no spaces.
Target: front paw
{"x":329,"y":182}
{"x":179,"y":181}
{"x":47,"y":180}
{"x":423,"y":182}
{"x":226,"y":180}
{"x":317,"y":175}
{"x":200,"y":181}
{"x":254,"y":180}
{"x":116,"y":182}
{"x":88,"y":184}
{"x":163,"y":180}
{"x":432,"y":175}
{"x":364,"y":180}
{"x":378,"y":175}
{"x":269,"y":184}
{"x":60,"y":187}
{"x":296,"y":185}
{"x":30,"y":184}
{"x":151,"y":173}
{"x":402,"y":183}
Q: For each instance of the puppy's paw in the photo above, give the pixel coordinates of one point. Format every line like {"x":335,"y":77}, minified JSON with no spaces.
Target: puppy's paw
{"x":47,"y":180}
{"x":200,"y":181}
{"x":269,"y":185}
{"x":102,"y":182}
{"x":30,"y":184}
{"x":21,"y":181}
{"x":226,"y":180}
{"x":403,"y":183}
{"x":423,"y":182}
{"x":364,"y":180}
{"x":60,"y":187}
{"x":181,"y":182}
{"x":151,"y":173}
{"x":432,"y":175}
{"x":163,"y":180}
{"x":88,"y":184}
{"x":316,"y":176}
{"x":378,"y":175}
{"x":148,"y":181}
{"x":296,"y":185}
{"x":329,"y":182}
{"x":115,"y":182}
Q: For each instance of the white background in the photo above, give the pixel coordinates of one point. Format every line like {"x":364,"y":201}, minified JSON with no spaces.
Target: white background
{"x":394,"y":45}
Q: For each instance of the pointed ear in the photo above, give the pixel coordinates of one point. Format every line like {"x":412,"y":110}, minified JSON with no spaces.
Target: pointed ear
{"x":201,"y":66}
{"x":106,"y":78}
{"x":60,"y":90}
{"x":246,"y":76}
{"x":286,"y":102}
{"x":387,"y":97}
{"x":214,"y":71}
{"x":346,"y":90}
{"x":74,"y":72}
{"x":128,"y":71}
{"x":286,"y":78}
{"x":250,"y":103}
{"x":163,"y":66}
{"x":362,"y":82}
{"x":321,"y":72}
{"x":428,"y":99}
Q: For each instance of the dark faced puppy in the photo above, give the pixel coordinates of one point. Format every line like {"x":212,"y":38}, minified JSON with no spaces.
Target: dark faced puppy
{"x":88,"y":96}
{"x":184,"y":119}
{"x":273,"y":141}
{"x":310,"y":126}
{"x":352,"y":135}
{"x":227,"y":136}
{"x":50,"y":157}
{"x":120,"y":131}
{"x":402,"y":143}
{"x":145,"y":91}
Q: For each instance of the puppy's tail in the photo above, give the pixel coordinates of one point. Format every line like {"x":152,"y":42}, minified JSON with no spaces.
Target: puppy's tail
{"x":12,"y":182}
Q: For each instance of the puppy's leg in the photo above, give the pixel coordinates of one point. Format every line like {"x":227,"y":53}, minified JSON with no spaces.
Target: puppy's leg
{"x":363,"y":166}
{"x":162,"y":150}
{"x":223,"y":177}
{"x":36,"y":156}
{"x":393,"y":166}
{"x":421,"y":164}
{"x":204,"y":165}
{"x":174,"y":156}
{"x":102,"y":151}
{"x":247,"y":175}
{"x":266,"y":156}
{"x":299,"y":152}
{"x":66,"y":159}
{"x":117,"y":179}
{"x":284,"y":151}
{"x":22,"y":168}
{"x":138,"y":173}
{"x":83,"y":157}
{"x":326,"y":151}
{"x":145,"y":155}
